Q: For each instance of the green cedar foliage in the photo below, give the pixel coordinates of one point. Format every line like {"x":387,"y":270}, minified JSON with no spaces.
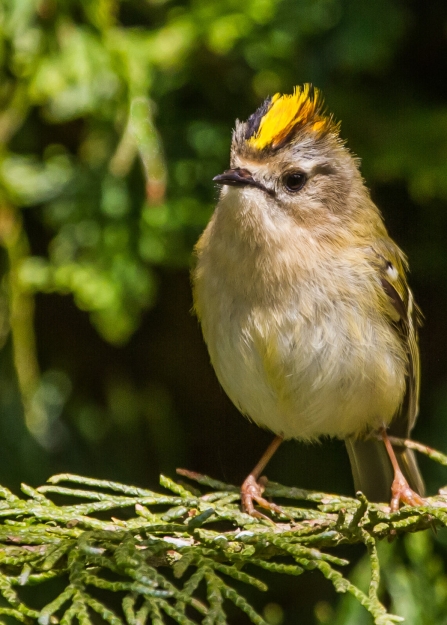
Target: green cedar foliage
{"x":186,"y":554}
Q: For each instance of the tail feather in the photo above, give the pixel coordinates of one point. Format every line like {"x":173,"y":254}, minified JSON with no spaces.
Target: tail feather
{"x":373,"y":472}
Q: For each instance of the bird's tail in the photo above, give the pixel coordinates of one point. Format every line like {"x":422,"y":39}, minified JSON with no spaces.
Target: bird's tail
{"x":373,"y":472}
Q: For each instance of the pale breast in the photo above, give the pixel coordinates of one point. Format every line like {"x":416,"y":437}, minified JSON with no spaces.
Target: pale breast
{"x":313,"y":361}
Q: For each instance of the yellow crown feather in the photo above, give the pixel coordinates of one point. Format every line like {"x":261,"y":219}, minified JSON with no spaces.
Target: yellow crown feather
{"x":287,"y":113}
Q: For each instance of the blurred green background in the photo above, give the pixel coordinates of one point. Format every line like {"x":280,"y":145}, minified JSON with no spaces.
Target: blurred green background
{"x":115,"y":115}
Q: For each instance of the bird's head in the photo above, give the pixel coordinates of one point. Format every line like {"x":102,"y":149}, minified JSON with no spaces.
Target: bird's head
{"x":289,"y":157}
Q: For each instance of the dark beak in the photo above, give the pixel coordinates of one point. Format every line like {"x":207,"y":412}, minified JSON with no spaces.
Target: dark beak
{"x":239,"y":177}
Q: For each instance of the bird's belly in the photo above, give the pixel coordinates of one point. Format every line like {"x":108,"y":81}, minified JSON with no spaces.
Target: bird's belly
{"x":336,"y":374}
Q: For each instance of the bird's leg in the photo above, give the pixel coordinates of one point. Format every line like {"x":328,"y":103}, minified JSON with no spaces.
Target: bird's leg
{"x":400,"y":489}
{"x":253,"y":487}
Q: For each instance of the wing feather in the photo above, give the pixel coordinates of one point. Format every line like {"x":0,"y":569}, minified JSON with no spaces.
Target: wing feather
{"x":370,"y":465}
{"x":405,"y":317}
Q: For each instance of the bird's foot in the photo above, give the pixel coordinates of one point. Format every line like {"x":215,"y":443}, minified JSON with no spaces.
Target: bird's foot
{"x":252,"y":491}
{"x":402,"y":493}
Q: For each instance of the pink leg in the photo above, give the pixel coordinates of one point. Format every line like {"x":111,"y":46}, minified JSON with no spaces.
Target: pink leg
{"x":253,"y":487}
{"x":400,"y":489}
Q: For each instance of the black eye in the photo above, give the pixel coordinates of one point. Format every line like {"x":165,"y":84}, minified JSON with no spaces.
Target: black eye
{"x":294,"y":181}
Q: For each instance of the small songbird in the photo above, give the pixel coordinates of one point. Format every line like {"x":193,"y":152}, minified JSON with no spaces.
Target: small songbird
{"x":303,"y":299}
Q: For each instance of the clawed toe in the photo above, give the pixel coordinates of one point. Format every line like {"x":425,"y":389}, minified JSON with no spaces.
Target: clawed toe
{"x":252,"y":491}
{"x":402,"y":493}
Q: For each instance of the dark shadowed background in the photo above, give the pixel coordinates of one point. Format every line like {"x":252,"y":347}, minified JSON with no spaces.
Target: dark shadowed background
{"x":115,"y":115}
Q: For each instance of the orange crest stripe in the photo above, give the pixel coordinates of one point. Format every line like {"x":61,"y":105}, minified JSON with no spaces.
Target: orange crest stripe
{"x":287,"y":113}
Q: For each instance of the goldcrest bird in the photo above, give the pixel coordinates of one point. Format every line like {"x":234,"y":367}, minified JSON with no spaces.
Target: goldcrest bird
{"x":303,"y":299}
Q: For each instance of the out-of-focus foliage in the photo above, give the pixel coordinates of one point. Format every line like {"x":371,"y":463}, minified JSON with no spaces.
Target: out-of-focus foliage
{"x":114,"y":117}
{"x":84,"y":82}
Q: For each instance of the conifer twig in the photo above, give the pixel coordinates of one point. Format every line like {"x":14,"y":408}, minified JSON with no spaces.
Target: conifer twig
{"x":180,"y":541}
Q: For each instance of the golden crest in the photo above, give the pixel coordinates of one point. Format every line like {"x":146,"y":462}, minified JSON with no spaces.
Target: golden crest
{"x":288,"y":113}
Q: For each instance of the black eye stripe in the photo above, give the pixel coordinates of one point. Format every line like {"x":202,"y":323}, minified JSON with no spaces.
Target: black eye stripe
{"x":294,"y":181}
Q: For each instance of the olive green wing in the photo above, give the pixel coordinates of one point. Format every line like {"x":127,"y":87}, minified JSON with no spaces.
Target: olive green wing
{"x":370,"y":464}
{"x":405,"y":317}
